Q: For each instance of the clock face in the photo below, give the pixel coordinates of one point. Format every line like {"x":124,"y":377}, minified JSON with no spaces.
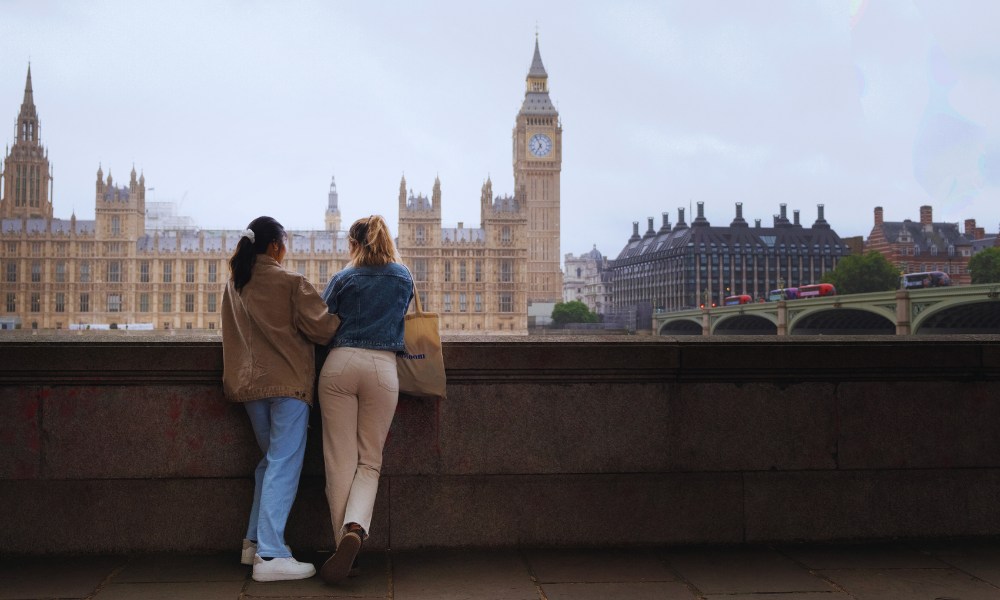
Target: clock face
{"x":540,"y":144}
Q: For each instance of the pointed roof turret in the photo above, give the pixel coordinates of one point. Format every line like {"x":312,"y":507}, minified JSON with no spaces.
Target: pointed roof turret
{"x":536,"y":93}
{"x":332,"y":198}
{"x":537,"y":68}
{"x":29,"y":97}
{"x":27,"y":118}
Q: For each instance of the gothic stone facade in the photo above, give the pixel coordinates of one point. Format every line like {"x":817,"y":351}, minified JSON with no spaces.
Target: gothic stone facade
{"x":483,"y":279}
{"x":111,"y":272}
{"x":474,"y":278}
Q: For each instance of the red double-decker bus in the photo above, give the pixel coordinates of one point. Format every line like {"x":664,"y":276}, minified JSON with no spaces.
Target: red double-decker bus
{"x":816,"y":290}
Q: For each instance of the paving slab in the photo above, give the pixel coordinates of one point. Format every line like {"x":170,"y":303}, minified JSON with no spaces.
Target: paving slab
{"x":55,"y":577}
{"x":744,"y":571}
{"x":372,"y":582}
{"x":631,"y":590}
{"x":792,"y":596}
{"x":202,"y":590}
{"x":455,"y":575}
{"x":860,"y":556}
{"x":582,"y":566}
{"x":177,"y":568}
{"x":980,"y":559}
{"x":912,"y":584}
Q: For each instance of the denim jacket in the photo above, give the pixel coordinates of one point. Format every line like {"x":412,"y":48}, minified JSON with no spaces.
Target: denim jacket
{"x":371,"y":303}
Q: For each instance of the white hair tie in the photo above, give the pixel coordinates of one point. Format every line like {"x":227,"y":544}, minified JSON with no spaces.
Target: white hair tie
{"x":248,"y":234}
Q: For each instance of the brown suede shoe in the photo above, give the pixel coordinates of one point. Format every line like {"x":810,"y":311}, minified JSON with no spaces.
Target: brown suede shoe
{"x":338,"y":566}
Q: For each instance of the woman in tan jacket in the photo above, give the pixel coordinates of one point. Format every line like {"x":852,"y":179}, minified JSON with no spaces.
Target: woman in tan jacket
{"x":271,"y":319}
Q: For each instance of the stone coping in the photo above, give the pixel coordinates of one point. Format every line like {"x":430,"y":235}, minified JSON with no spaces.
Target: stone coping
{"x":129,"y":357}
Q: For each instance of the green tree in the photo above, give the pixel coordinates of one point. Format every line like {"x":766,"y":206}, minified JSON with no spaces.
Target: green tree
{"x":572,"y":312}
{"x":984,"y":266}
{"x":861,"y":273}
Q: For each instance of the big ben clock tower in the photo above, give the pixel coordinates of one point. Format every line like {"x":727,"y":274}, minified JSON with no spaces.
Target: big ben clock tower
{"x":537,"y":164}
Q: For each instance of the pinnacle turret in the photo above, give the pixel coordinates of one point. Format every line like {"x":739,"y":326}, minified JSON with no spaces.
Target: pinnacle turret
{"x":537,"y":68}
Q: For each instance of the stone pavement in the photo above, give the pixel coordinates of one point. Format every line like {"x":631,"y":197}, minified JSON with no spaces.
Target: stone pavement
{"x":967,"y":570}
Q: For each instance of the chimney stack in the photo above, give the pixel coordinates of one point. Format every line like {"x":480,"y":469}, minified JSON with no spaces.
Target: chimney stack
{"x":700,"y":219}
{"x":666,"y":223}
{"x":680,"y":218}
{"x":820,"y":219}
{"x":879,"y":216}
{"x":795,"y":218}
{"x":650,"y":232}
{"x":970,"y":228}
{"x":926,"y":216}
{"x":635,"y":232}
{"x":739,"y":221}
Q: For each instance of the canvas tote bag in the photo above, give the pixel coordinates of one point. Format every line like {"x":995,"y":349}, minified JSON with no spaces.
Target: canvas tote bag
{"x":421,"y":365}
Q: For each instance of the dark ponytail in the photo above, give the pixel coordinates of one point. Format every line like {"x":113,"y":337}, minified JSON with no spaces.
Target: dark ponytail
{"x":265,"y":230}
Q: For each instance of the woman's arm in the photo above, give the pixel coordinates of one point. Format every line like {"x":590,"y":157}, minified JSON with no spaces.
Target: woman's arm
{"x":312,"y":316}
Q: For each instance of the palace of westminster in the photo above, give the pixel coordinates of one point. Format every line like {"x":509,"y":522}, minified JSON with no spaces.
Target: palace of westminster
{"x":136,"y":266}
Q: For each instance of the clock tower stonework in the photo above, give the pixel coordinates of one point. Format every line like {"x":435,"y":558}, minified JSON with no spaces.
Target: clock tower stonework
{"x":537,"y":166}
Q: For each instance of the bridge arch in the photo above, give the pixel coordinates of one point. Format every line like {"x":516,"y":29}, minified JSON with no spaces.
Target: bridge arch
{"x":827,"y":320}
{"x":684,"y":326}
{"x":966,"y":315}
{"x":746,"y":324}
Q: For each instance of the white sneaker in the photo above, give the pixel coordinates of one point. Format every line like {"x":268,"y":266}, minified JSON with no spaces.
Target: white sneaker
{"x":280,"y":569}
{"x":249,"y":549}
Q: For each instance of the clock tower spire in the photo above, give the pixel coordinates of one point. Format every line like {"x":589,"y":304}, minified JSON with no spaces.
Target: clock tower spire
{"x":537,"y":167}
{"x":332,"y":208}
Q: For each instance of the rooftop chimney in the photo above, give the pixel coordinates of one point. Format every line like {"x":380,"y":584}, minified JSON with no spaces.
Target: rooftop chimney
{"x":795,"y":218}
{"x":739,"y":221}
{"x":700,"y":219}
{"x":970,"y":228}
{"x":650,"y":232}
{"x":756,"y":223}
{"x":680,"y":224}
{"x":820,"y":220}
{"x":781,"y":219}
{"x":926,"y":216}
{"x":666,"y":223}
{"x":635,"y":232}
{"x":878,"y":216}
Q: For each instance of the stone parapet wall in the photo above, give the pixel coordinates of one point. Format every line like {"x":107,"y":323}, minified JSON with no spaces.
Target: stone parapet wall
{"x":123,"y":442}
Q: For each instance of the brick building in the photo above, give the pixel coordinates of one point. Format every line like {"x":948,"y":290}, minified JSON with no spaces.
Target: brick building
{"x":917,"y":246}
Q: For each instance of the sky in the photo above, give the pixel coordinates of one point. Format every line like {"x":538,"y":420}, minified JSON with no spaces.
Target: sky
{"x":235,"y":109}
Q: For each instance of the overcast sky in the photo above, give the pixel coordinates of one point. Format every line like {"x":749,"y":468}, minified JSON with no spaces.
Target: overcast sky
{"x":243,"y":108}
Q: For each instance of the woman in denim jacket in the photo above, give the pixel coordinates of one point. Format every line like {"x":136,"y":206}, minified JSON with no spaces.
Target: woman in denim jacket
{"x":271,"y":320}
{"x":358,"y":386}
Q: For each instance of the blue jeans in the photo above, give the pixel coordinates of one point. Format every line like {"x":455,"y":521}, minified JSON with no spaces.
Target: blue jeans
{"x":280,"y":427}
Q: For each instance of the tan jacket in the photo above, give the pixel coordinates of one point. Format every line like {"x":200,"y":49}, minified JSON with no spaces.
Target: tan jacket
{"x":268,"y":332}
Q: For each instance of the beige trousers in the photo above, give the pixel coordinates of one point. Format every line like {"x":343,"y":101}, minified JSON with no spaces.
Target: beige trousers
{"x":358,"y":391}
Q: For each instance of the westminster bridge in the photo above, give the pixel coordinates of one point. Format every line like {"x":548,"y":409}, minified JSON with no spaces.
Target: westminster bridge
{"x":943,"y":310}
